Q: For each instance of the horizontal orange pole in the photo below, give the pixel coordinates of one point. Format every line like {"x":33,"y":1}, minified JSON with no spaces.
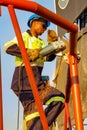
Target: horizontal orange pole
{"x":42,"y":11}
{"x":28,"y":67}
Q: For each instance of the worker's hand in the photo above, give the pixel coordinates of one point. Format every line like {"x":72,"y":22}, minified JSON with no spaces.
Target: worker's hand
{"x":33,"y":54}
{"x":52,"y":36}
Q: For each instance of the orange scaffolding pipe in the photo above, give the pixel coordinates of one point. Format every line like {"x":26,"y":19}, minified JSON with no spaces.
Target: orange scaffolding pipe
{"x":1,"y":108}
{"x":0,"y":11}
{"x":67,"y":121}
{"x":75,"y":92}
{"x":42,"y":11}
{"x":73,"y":29}
{"x":28,"y":67}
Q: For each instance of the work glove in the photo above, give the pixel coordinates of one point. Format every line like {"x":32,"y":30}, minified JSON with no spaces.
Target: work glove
{"x":52,"y":36}
{"x":33,"y":54}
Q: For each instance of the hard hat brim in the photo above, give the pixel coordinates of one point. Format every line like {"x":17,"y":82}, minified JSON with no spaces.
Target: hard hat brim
{"x":38,"y":18}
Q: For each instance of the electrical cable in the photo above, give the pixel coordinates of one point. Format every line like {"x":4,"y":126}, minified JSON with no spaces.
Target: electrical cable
{"x":58,"y":69}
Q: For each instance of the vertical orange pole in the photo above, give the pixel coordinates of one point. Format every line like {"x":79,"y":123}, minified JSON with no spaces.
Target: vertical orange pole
{"x":75,"y":85}
{"x":28,"y":67}
{"x":67,"y":120}
{"x":1,"y":111}
{"x":0,"y":11}
{"x":68,"y":116}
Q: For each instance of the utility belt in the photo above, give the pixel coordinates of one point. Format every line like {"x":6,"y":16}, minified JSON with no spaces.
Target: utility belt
{"x":40,"y":64}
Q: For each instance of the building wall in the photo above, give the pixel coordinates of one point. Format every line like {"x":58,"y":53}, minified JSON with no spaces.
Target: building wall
{"x":71,"y":12}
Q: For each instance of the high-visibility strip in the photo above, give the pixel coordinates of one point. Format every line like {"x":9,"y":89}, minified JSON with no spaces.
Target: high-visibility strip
{"x":56,"y":98}
{"x":31,"y":116}
{"x":8,"y":44}
{"x":36,"y":114}
{"x":24,"y":125}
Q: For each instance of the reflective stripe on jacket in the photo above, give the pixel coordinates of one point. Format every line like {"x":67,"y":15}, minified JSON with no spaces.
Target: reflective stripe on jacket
{"x":30,"y":42}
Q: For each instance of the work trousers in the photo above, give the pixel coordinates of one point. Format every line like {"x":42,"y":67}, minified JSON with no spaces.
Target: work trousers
{"x":51,"y":98}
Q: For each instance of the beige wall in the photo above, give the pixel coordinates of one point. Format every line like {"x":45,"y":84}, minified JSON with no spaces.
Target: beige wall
{"x":72,"y":11}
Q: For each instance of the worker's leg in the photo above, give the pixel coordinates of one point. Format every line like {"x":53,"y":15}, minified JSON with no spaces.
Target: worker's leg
{"x":51,"y":114}
{"x":54,"y":103}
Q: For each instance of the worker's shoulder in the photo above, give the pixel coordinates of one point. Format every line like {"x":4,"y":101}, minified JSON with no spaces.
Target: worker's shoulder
{"x":25,"y":33}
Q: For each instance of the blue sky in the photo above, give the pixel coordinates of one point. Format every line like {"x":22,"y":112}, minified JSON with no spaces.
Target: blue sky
{"x":10,"y":101}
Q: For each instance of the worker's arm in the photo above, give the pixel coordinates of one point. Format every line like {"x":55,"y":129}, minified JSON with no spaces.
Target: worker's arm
{"x":50,"y":57}
{"x":12,"y":47}
{"x":13,"y":50}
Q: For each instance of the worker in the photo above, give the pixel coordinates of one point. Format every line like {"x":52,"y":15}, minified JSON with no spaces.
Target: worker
{"x":51,"y":98}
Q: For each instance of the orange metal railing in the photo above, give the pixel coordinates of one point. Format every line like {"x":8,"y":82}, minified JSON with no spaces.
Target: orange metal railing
{"x":27,"y":66}
{"x":1,"y":106}
{"x":0,"y":11}
{"x":73,"y":29}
